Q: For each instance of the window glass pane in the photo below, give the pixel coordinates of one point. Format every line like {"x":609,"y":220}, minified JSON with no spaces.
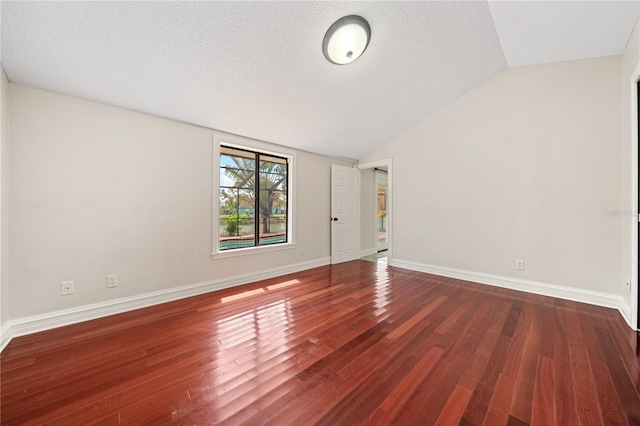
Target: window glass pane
{"x":274,"y":225}
{"x":273,"y":181}
{"x":235,"y":152}
{"x":273,"y":200}
{"x":237,"y":168}
{"x":272,"y":159}
{"x":237,"y":219}
{"x":237,"y":199}
{"x":241,"y":213}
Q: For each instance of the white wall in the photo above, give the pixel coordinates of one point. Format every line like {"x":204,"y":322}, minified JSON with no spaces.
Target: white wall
{"x":630,"y":62}
{"x":4,"y":203}
{"x":367,"y":212}
{"x":98,"y":190}
{"x":523,"y":167}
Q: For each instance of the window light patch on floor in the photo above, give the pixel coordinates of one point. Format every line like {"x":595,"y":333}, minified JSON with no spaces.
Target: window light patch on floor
{"x":242,"y":295}
{"x":282,"y":284}
{"x":259,"y":291}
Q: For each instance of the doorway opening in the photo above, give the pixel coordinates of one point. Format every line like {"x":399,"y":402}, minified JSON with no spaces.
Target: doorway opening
{"x":376,"y":211}
{"x":382,"y":200}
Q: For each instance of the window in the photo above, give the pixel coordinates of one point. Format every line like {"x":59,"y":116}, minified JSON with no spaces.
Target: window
{"x":253,"y":198}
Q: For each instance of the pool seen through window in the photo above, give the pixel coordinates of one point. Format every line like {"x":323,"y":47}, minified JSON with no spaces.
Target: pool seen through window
{"x":252,"y":199}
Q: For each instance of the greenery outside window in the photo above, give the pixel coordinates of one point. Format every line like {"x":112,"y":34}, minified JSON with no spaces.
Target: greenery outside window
{"x":253,"y":198}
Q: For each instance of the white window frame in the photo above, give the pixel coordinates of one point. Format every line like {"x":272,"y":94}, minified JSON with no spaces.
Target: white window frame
{"x":241,"y":142}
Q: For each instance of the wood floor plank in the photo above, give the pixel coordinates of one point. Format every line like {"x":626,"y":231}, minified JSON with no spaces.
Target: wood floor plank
{"x":393,"y":403}
{"x":346,"y":344}
{"x":378,"y":418}
{"x":584,"y":385}
{"x":516,"y":348}
{"x":480,"y":399}
{"x":543,"y":405}
{"x":358,"y":405}
{"x":628,"y":347}
{"x":436,"y":401}
{"x":610,"y":406}
{"x":564,"y":395}
{"x":500,"y":405}
{"x":522,"y":402}
{"x":626,"y":392}
{"x":455,"y":406}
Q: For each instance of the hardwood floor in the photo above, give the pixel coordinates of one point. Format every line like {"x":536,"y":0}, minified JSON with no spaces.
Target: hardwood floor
{"x":355,"y":343}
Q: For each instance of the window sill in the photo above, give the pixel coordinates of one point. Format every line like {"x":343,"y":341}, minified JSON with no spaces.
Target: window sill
{"x":251,"y":250}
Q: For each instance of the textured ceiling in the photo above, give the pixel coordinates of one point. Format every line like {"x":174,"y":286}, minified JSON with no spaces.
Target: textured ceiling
{"x":257,"y":68}
{"x":538,"y":32}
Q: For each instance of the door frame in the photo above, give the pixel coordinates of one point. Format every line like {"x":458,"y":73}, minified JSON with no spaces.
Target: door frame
{"x":388,"y":162}
{"x":633,"y":121}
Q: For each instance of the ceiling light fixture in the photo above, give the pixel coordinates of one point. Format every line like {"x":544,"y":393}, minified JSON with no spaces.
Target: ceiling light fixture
{"x":346,"y":39}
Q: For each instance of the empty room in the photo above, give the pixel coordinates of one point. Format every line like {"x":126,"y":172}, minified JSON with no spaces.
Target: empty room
{"x":334,"y":213}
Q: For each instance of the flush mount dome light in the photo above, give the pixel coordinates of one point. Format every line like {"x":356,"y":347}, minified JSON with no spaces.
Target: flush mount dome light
{"x":346,"y":39}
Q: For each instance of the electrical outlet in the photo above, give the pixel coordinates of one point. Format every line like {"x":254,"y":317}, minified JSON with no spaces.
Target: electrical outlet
{"x":520,"y":264}
{"x":66,"y":288}
{"x":112,"y":281}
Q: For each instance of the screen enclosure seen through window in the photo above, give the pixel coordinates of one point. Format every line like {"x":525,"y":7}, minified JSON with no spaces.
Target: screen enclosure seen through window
{"x":252,"y":199}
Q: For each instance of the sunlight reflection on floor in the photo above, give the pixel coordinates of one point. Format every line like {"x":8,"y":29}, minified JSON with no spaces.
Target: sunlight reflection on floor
{"x":380,"y":258}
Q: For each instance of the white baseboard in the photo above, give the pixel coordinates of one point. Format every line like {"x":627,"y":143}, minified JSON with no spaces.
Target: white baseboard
{"x":625,"y":311}
{"x":5,"y":336}
{"x":368,"y":252}
{"x":37,"y":323}
{"x":585,"y":296}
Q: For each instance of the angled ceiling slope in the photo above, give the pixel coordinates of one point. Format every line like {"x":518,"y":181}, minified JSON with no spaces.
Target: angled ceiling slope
{"x":540,"y":32}
{"x":257,"y":68}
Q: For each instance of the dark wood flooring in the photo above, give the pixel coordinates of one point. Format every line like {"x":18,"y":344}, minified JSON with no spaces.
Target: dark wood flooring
{"x":355,"y":343}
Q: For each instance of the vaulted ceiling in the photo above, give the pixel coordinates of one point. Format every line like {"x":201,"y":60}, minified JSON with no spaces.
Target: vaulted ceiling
{"x":257,"y":68}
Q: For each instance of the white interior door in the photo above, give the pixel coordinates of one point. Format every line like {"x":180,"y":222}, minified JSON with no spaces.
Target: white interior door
{"x":345,"y":214}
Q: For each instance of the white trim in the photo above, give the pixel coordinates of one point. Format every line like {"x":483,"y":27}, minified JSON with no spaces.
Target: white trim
{"x":368,"y":252}
{"x":633,"y":120}
{"x":374,"y":212}
{"x":377,"y":177}
{"x":266,"y":148}
{"x":388,"y":162}
{"x":625,"y":311}
{"x":37,"y":323}
{"x":5,"y":336}
{"x":569,"y":293}
{"x":252,"y":250}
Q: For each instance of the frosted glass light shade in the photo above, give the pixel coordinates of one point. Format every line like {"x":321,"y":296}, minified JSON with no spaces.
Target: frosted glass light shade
{"x":346,"y":39}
